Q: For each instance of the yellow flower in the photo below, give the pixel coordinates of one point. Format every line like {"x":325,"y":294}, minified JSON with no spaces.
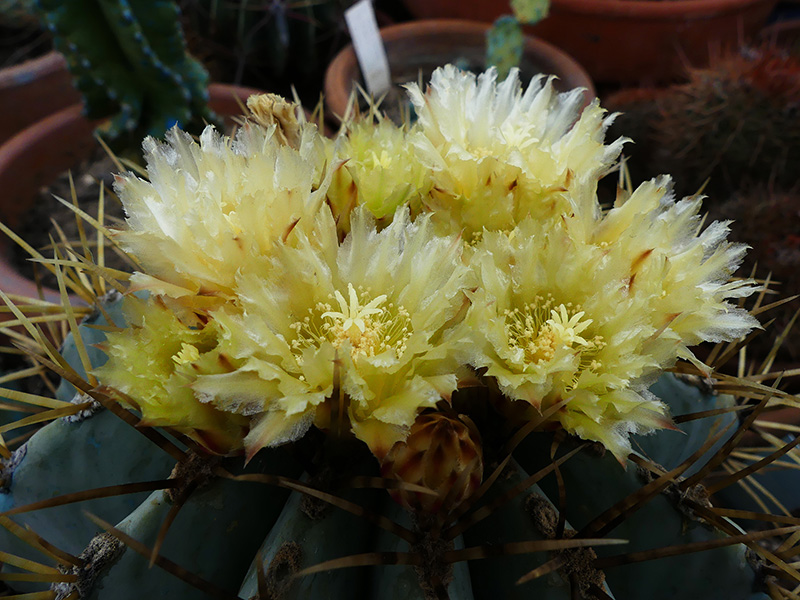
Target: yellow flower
{"x":276,"y":293}
{"x":591,"y":320}
{"x":210,"y":207}
{"x":686,"y":274}
{"x":379,"y":169}
{"x":152,"y":364}
{"x":499,"y":155}
{"x":368,"y":314}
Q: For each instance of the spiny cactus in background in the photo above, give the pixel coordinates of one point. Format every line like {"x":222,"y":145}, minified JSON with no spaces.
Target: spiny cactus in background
{"x":504,"y":44}
{"x":265,"y":44}
{"x":500,"y":364}
{"x":129,"y":60}
{"x":733,"y":123}
{"x":769,"y":221}
{"x":505,"y":40}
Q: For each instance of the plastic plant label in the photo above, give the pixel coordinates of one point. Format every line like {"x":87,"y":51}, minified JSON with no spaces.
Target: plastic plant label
{"x":369,"y":47}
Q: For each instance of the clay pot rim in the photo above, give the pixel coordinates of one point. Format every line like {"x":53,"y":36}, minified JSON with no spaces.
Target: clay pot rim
{"x":50,"y":62}
{"x":679,"y":10}
{"x":346,"y":62}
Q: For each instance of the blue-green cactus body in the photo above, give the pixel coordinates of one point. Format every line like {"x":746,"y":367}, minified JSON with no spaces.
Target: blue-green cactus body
{"x":91,"y":335}
{"x":302,"y":538}
{"x":513,"y":522}
{"x":95,"y":449}
{"x":66,"y":457}
{"x":658,"y":524}
{"x":129,"y":61}
{"x":218,"y":532}
{"x":594,"y":483}
{"x":401,"y":582}
{"x":671,"y":448}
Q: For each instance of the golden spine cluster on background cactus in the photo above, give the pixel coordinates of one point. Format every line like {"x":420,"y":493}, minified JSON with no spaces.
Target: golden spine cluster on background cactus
{"x":380,"y":266}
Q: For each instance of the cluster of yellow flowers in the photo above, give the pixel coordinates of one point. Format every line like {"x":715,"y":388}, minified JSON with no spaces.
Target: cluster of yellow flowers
{"x":389,"y":263}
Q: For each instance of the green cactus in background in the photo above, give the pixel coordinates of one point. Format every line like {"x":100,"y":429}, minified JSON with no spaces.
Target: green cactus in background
{"x":504,"y":44}
{"x":505,"y":40}
{"x":310,"y":327}
{"x":129,"y":61}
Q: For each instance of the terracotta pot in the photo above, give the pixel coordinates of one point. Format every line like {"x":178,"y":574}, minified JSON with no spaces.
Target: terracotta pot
{"x":629,"y":41}
{"x":783,"y":34}
{"x":33,"y":90}
{"x":41,"y":152}
{"x":425,"y":45}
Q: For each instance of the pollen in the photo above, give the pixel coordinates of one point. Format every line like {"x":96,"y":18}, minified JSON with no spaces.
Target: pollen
{"x":187,"y":354}
{"x":539,"y":330}
{"x":383,"y":160}
{"x":367,"y":326}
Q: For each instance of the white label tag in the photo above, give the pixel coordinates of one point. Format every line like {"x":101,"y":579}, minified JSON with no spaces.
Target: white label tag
{"x":369,"y":47}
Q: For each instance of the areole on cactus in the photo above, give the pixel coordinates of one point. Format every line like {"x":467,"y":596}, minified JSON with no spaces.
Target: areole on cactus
{"x":470,"y":324}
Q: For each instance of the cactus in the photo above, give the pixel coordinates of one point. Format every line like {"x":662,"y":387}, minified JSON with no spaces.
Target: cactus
{"x":504,"y":44}
{"x":265,"y":44}
{"x":733,"y":123}
{"x":767,"y":220}
{"x":129,"y":61}
{"x":505,"y":40}
{"x":290,"y":350}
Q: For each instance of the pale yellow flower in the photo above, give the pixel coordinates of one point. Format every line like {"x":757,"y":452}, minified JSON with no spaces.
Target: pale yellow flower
{"x":685,"y":273}
{"x":153,"y":362}
{"x":276,"y":293}
{"x":379,"y":169}
{"x":499,"y":154}
{"x":210,"y":207}
{"x":559,"y":316}
{"x":368,"y":313}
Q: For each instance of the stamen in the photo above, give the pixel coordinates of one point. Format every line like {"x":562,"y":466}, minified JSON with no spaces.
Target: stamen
{"x":540,"y":330}
{"x":369,"y":326}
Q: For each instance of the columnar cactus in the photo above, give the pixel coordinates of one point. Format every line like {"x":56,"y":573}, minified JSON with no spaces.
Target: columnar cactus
{"x":129,"y":61}
{"x":482,"y":334}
